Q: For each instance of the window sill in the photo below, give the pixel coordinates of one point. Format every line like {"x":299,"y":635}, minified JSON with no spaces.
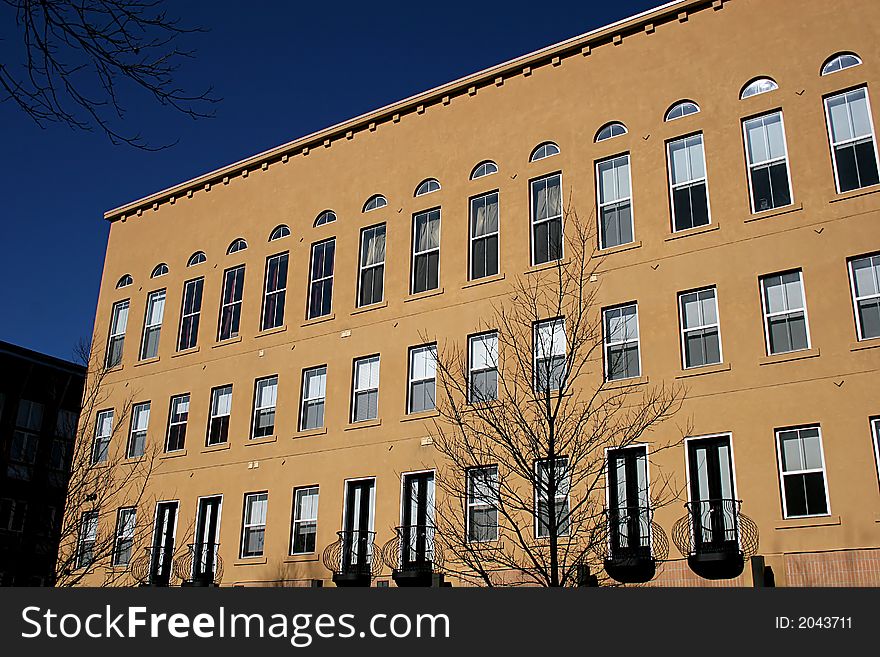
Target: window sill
{"x":625,"y":383}
{"x":134,"y":460}
{"x":775,"y":212}
{"x":272,"y":331}
{"x":611,"y":250}
{"x":483,"y":281}
{"x":704,"y":369}
{"x":363,"y":424}
{"x":147,"y":361}
{"x":305,"y":433}
{"x":115,"y":368}
{"x":372,"y":306}
{"x":868,"y":343}
{"x":423,"y":295}
{"x":173,"y":455}
{"x":227,"y":341}
{"x":318,"y":320}
{"x":302,"y":558}
{"x":215,"y":448}
{"x":789,"y":356}
{"x":250,"y":561}
{"x":553,"y":264}
{"x":809,"y":521}
{"x":421,"y":415}
{"x":261,"y":441}
{"x":699,"y":230}
{"x":864,"y":191}
{"x":185,"y":352}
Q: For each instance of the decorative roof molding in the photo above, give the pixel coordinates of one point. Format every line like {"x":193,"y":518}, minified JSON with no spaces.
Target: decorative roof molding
{"x":582,"y":44}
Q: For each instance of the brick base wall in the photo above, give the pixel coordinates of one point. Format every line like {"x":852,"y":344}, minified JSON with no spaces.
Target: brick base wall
{"x":843,"y":568}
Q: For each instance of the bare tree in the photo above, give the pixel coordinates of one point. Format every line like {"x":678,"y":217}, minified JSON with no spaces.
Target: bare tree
{"x":94,"y":547}
{"x":80,"y":58}
{"x":542,"y":424}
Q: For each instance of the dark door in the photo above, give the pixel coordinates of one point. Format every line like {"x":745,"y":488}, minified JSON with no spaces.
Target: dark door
{"x":207,"y":531}
{"x":357,"y":541}
{"x":629,"y":515}
{"x":163,"y":543}
{"x":417,"y":533}
{"x":713,"y":504}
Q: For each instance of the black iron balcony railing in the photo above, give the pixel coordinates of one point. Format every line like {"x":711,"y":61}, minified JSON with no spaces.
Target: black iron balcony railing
{"x":716,"y":537}
{"x":353,"y":558}
{"x":200,"y":565}
{"x":155,"y":567}
{"x":413,"y":555}
{"x":635,"y":544}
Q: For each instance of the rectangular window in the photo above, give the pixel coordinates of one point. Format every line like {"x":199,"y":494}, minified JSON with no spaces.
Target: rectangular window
{"x":265,"y":398}
{"x":629,"y":504}
{"x":546,"y":216}
{"x":103,"y":432}
{"x":230,"y":303}
{"x":562,"y":484}
{"x":88,"y":534}
{"x":321,"y":279}
{"x":221,"y":408}
{"x":314,"y":391}
{"x":65,"y":424}
{"x":426,"y":251}
{"x":851,"y":131}
{"x":25,"y":440}
{"x":875,"y":429}
{"x":864,"y":274}
{"x":12,"y":514}
{"x":365,"y":393}
{"x":190,"y":312}
{"x":274,"y":292}
{"x":802,"y":472}
{"x":371,"y":279}
{"x":785,"y":313}
{"x":124,"y":537}
{"x":482,"y":503}
{"x":615,"y":201}
{"x":178,"y":416}
{"x":549,"y":352}
{"x":305,"y":520}
{"x":700,"y":336}
{"x":767,"y":157}
{"x":253,"y":530}
{"x":621,"y":328}
{"x":422,"y":378}
{"x":687,"y":183}
{"x":137,"y":439}
{"x":116,"y":339}
{"x":153,"y":324}
{"x":484,"y":236}
{"x":482,"y":367}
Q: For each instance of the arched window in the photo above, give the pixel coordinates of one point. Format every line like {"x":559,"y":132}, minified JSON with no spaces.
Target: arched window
{"x":196,"y":258}
{"x":125,"y":281}
{"x":840,"y":61}
{"x":680,"y":109}
{"x":326,"y":217}
{"x":614,"y":129}
{"x":159,"y":270}
{"x":758,"y":86}
{"x":375,"y":202}
{"x":236,"y":246}
{"x":546,"y":149}
{"x":427,"y":186}
{"x":279,"y":232}
{"x":486,"y":168}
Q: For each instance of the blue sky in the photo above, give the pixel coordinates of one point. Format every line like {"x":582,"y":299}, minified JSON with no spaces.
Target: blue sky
{"x":283,"y":70}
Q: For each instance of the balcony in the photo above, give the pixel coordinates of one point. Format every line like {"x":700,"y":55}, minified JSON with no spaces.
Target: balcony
{"x":154,"y":567}
{"x":200,"y":565}
{"x":413,"y":555}
{"x":352,"y":558}
{"x":635,"y":545}
{"x":716,"y":538}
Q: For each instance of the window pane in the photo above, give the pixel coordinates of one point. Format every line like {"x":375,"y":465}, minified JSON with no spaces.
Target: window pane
{"x":840,"y":127}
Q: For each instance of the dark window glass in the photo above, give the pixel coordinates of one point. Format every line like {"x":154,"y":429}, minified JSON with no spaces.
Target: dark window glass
{"x":275,"y":291}
{"x":190,"y":314}
{"x":230,"y":308}
{"x":321,"y":280}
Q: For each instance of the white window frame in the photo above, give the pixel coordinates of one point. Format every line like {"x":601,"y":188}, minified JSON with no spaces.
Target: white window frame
{"x":600,"y":205}
{"x":533,"y":223}
{"x":355,"y":390}
{"x":298,"y":520}
{"x":247,"y":523}
{"x":875,"y":430}
{"x":305,"y":400}
{"x":542,"y":343}
{"x":100,"y":438}
{"x":852,"y":286}
{"x":782,"y":473}
{"x":750,"y":166}
{"x":491,"y":366}
{"x":473,"y":504}
{"x":321,"y":279}
{"x":188,"y":315}
{"x":224,"y":304}
{"x":362,"y":267}
{"x":268,"y":382}
{"x":160,"y":295}
{"x":768,"y":315}
{"x":125,"y":531}
{"x":851,"y":140}
{"x":137,"y":412}
{"x":485,"y":236}
{"x":86,"y":534}
{"x":172,"y":423}
{"x":117,"y":335}
{"x":673,"y":186}
{"x":430,"y":366}
{"x":684,"y":331}
{"x":211,"y":416}
{"x":622,"y":343}
{"x":557,"y":498}
{"x":280,"y":291}
{"x":425,"y":252}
